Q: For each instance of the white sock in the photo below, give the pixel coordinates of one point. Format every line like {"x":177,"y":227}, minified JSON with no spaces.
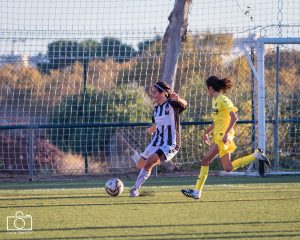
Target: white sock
{"x":142,"y":177}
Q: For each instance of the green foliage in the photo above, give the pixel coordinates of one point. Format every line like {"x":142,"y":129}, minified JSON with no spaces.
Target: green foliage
{"x":126,"y":104}
{"x":63,"y":53}
{"x":113,"y":47}
{"x":150,"y":45}
{"x":90,"y":48}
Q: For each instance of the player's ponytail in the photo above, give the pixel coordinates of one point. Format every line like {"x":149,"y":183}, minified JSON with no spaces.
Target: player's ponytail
{"x":163,"y":87}
{"x":219,"y":84}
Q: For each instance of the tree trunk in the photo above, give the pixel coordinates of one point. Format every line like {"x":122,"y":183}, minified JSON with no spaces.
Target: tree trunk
{"x":175,"y":33}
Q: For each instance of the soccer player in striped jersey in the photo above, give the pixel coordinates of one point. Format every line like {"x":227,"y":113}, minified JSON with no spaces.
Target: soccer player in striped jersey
{"x":165,"y":129}
{"x":224,"y":119}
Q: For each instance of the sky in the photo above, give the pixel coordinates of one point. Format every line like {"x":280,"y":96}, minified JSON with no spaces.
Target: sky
{"x":27,"y":26}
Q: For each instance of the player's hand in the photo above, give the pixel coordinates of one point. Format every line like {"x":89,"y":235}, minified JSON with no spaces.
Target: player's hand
{"x":206,"y":139}
{"x":225,"y":138}
{"x":174,"y":96}
{"x":148,"y":131}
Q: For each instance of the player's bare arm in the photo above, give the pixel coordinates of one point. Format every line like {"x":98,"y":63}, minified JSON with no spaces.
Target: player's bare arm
{"x":206,"y":134}
{"x":150,"y":130}
{"x":233,"y":120}
{"x":175,"y":97}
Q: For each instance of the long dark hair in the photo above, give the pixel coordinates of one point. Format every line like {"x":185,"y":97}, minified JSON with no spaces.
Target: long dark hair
{"x":219,"y":84}
{"x":163,"y":87}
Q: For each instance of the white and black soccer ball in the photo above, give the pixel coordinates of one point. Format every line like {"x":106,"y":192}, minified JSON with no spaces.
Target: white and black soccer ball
{"x":114,"y":187}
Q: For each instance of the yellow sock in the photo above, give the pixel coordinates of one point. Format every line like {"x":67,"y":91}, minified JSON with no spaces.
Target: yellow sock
{"x":240,"y":162}
{"x":202,"y":178}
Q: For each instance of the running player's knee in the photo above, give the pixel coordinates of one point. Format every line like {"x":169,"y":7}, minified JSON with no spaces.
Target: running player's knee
{"x":205,"y":161}
{"x":151,"y":162}
{"x":140,"y":164}
{"x":228,"y":168}
{"x":149,"y":165}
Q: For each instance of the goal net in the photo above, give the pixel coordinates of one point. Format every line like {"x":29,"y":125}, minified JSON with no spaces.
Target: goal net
{"x":75,"y":79}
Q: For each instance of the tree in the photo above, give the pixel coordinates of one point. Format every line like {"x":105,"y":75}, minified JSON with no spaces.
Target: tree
{"x":90,"y":49}
{"x":150,"y":45}
{"x":126,"y":104}
{"x":25,"y":81}
{"x":114,"y":48}
{"x":63,"y":53}
{"x":199,"y":57}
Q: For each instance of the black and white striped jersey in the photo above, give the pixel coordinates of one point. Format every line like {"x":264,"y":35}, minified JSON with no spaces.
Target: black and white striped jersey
{"x":167,"y":121}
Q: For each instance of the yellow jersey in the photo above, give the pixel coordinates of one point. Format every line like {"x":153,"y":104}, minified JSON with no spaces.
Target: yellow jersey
{"x":221,"y":108}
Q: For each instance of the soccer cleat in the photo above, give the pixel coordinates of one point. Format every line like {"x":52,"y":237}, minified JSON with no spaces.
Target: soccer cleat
{"x":191,"y":193}
{"x":134,"y":192}
{"x":259,"y":155}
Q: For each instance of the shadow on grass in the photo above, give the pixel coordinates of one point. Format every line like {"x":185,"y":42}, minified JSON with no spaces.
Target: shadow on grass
{"x":159,"y":181}
{"x":78,"y":196}
{"x":134,"y":202}
{"x":17,"y":198}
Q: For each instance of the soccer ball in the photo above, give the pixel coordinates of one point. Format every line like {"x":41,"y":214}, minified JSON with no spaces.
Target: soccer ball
{"x":114,"y":187}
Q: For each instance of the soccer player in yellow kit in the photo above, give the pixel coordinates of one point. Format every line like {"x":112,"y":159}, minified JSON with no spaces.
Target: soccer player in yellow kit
{"x":224,"y":119}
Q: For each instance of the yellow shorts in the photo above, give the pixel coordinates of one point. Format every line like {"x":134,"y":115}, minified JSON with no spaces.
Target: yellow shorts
{"x":225,"y":148}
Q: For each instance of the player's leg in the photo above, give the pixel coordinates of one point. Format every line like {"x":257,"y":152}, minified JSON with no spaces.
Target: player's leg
{"x":226,"y":162}
{"x":144,"y":174}
{"x":156,"y":156}
{"x":207,"y":159}
{"x":140,"y":163}
{"x":205,"y":162}
{"x":145,"y":155}
{"x":151,"y":162}
{"x":225,"y":150}
{"x":243,"y":161}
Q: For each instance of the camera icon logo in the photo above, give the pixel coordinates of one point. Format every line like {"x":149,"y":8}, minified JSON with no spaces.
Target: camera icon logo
{"x":19,"y":222}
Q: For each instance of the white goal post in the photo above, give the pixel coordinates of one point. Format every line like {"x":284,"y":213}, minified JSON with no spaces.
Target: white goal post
{"x":259,"y":74}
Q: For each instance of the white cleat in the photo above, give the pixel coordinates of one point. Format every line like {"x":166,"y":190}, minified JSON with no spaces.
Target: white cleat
{"x":259,"y":155}
{"x":191,"y":193}
{"x":134,"y":192}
